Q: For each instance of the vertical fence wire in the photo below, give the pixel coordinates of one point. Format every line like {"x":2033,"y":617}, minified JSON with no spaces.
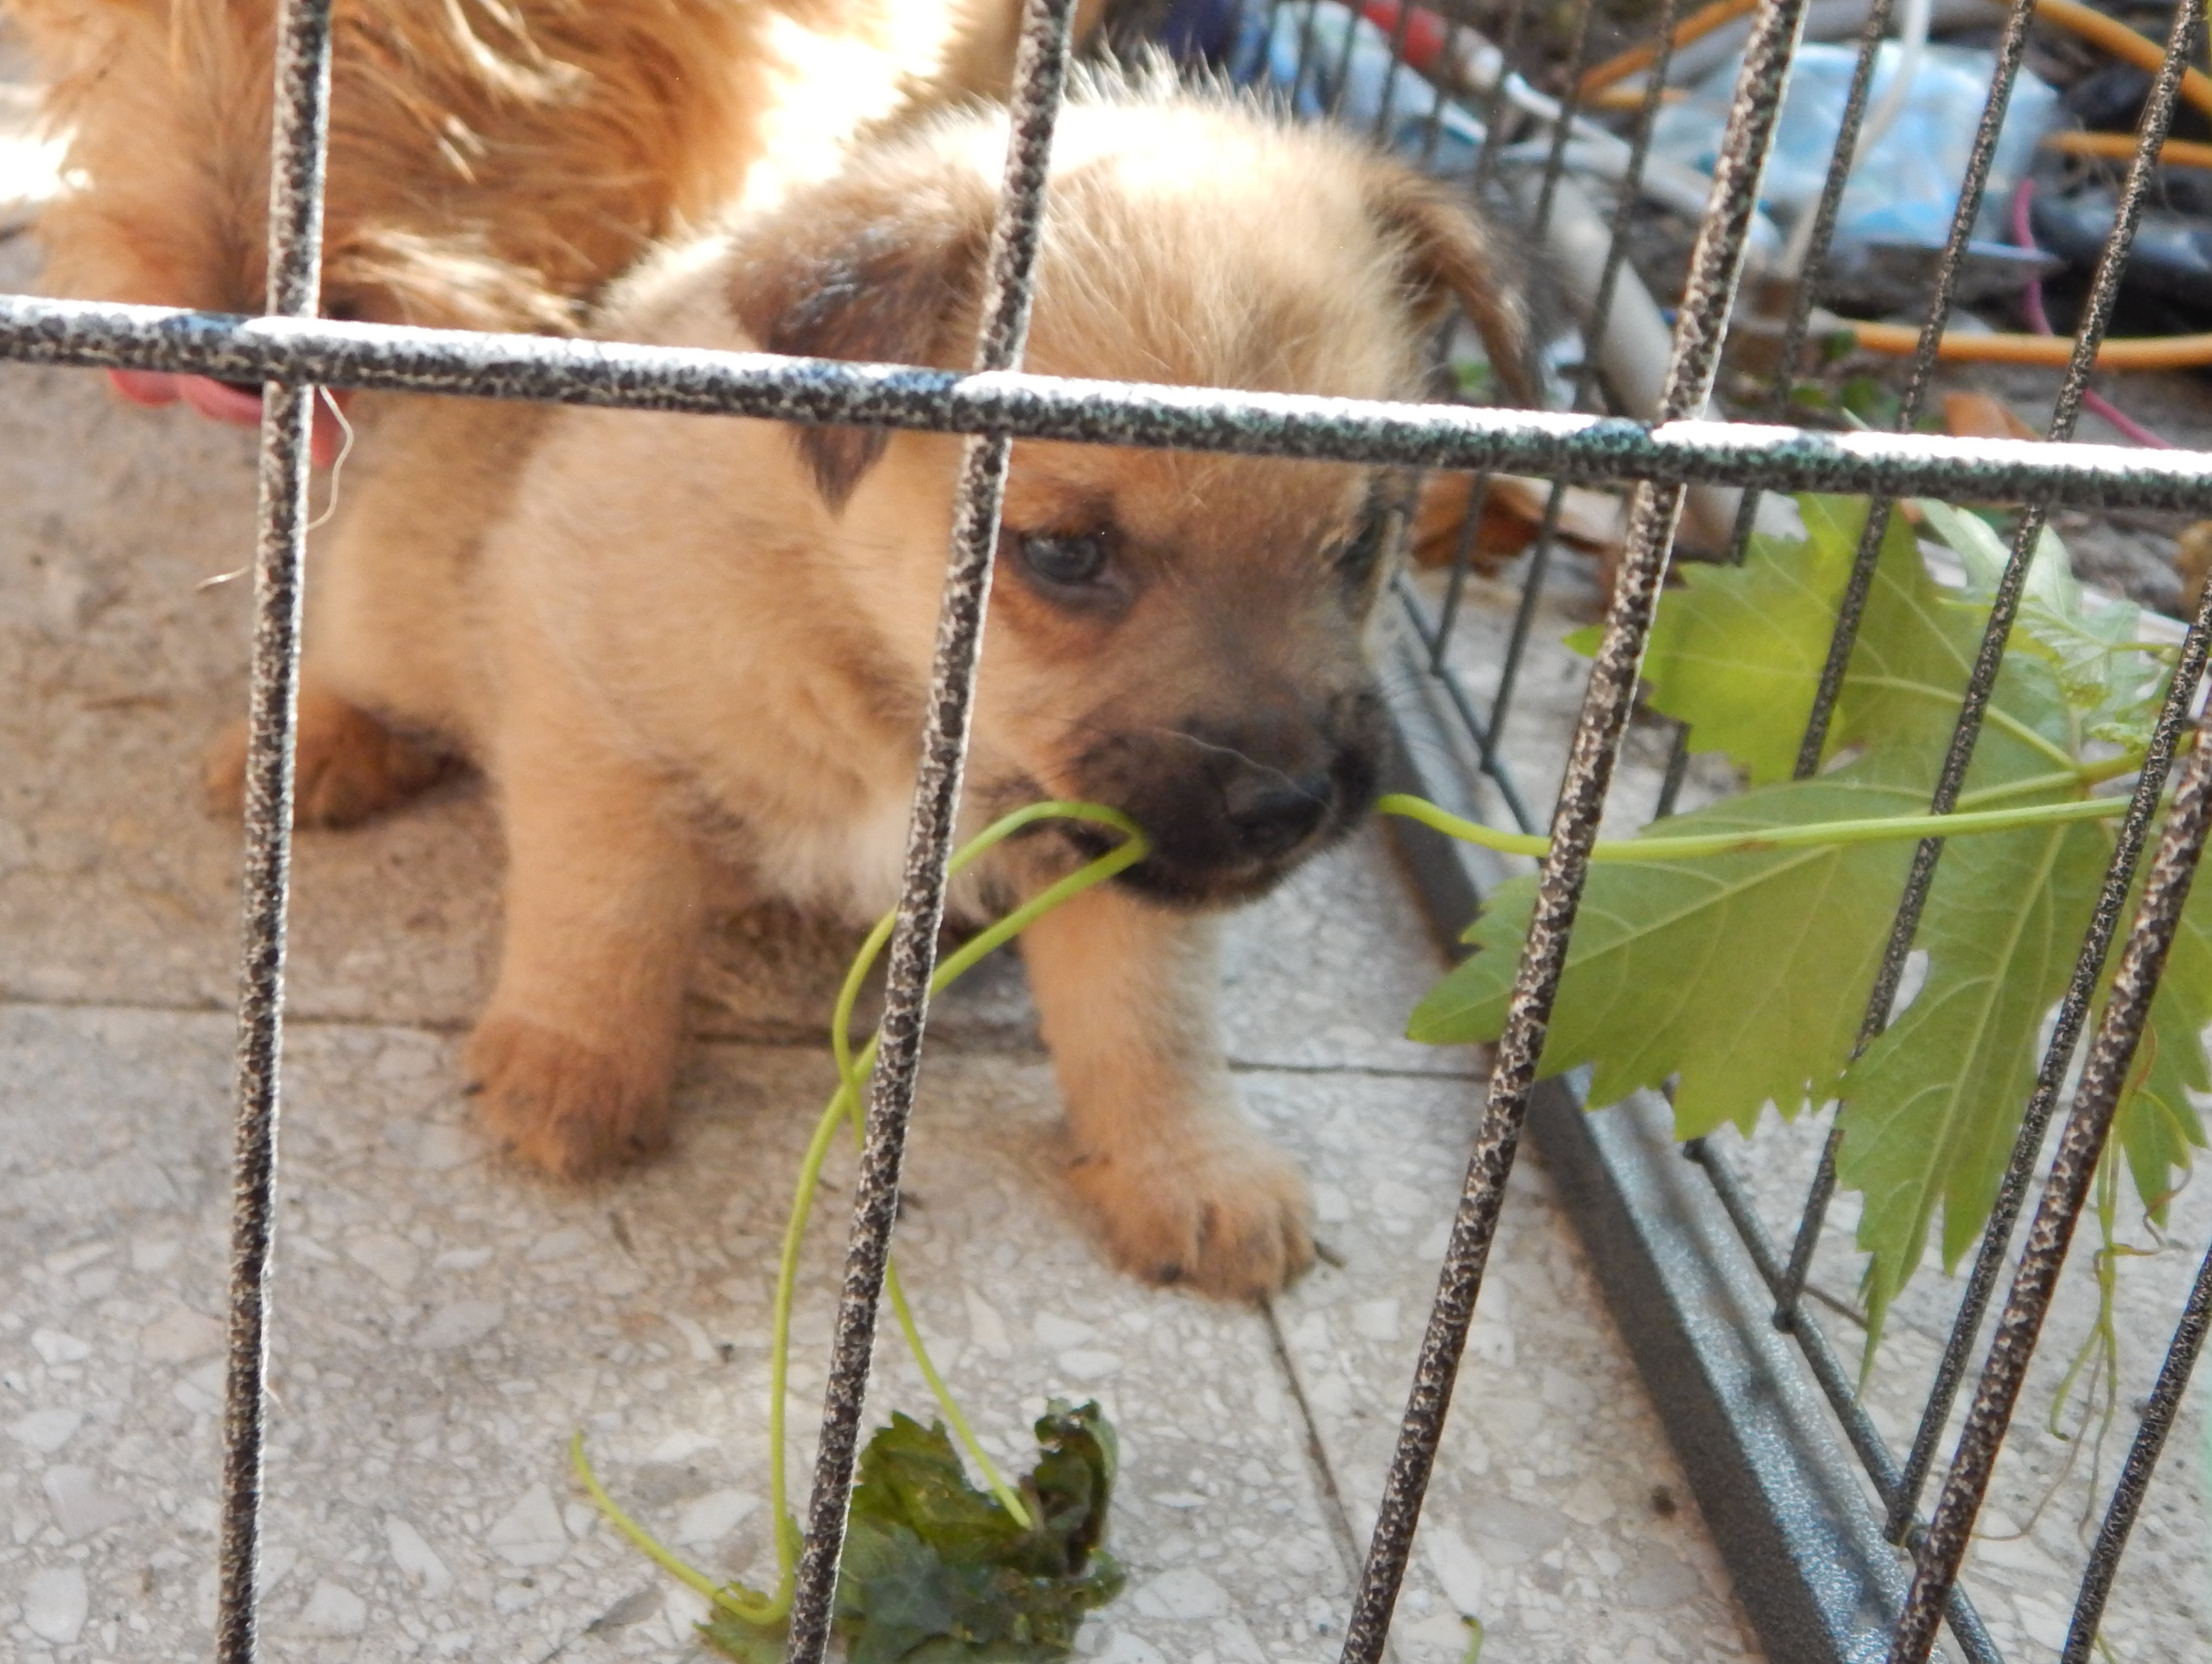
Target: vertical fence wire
{"x":1834,"y":1381}
{"x":1040,"y":75}
{"x":1982,"y":681}
{"x":1715,"y":269}
{"x":1587,"y":376}
{"x":2159,"y":1412}
{"x":2082,"y":1145}
{"x":2057,"y":1058}
{"x":2095,"y":319}
{"x":2129,"y":1005}
{"x":296,"y":224}
{"x":1804,"y":287}
{"x":1497,"y":111}
{"x":1533,"y":579}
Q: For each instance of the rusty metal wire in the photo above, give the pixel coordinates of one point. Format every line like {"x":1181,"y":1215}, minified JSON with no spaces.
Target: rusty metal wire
{"x":2065,"y":1188}
{"x":1587,"y":382}
{"x":2096,"y":316}
{"x":1980,"y":683}
{"x":295,"y":212}
{"x":2057,"y":1058}
{"x":1716,"y":270}
{"x":291,"y":352}
{"x":616,"y":375}
{"x":2158,"y":1411}
{"x":2166,"y":887}
{"x":1040,"y":71}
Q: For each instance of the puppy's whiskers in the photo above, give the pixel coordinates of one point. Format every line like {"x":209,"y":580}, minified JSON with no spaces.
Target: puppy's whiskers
{"x":1190,"y":739}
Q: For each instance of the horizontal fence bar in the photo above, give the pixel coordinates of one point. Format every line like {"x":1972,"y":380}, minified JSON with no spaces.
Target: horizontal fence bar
{"x":34,"y":330}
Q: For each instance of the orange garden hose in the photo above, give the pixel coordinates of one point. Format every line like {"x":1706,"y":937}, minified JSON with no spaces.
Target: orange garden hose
{"x":1627,"y":98}
{"x":2174,"y":153}
{"x":2092,"y":26}
{"x":1700,"y":22}
{"x":2166,"y":352}
{"x":2118,"y":38}
{"x":2151,"y":352}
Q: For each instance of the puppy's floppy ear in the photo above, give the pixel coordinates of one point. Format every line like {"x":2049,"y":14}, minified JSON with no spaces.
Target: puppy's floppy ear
{"x":873,"y":276}
{"x":1450,"y":253}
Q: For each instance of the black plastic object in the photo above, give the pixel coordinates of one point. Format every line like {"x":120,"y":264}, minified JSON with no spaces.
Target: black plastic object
{"x":2172,"y":252}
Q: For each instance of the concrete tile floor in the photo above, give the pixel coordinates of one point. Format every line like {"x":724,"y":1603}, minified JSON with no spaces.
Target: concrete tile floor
{"x":444,"y":1322}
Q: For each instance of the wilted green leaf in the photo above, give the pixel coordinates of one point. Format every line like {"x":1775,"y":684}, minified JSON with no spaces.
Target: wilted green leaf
{"x":936,"y":1572}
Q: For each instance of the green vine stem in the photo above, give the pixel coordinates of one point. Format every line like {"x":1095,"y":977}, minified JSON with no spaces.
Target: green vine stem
{"x":723,"y":1595}
{"x":1812,"y":834}
{"x":747,"y":1605}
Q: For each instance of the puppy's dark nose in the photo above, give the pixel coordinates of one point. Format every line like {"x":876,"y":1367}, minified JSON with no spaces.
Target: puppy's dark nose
{"x":1271,"y":812}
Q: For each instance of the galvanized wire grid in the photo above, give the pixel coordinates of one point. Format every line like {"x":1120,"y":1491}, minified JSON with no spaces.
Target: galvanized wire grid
{"x":291,"y":352}
{"x":1938,"y":1546}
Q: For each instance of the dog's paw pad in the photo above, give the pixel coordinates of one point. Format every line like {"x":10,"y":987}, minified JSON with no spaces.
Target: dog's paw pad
{"x":560,"y":1105}
{"x":1226,"y":1217}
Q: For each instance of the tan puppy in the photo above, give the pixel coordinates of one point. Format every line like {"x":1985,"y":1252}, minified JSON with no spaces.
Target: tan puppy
{"x":492,"y":161}
{"x":679,"y":642}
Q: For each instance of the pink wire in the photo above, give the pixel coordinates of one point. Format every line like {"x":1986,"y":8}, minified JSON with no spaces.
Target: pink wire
{"x":2023,"y":236}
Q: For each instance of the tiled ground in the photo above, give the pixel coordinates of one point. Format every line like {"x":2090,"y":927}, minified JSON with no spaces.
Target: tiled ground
{"x":445,"y":1323}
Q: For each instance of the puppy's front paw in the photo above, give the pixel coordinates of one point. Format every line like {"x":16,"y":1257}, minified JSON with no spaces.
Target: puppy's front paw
{"x":1224,"y":1212}
{"x":561,"y":1105}
{"x":350,"y":766}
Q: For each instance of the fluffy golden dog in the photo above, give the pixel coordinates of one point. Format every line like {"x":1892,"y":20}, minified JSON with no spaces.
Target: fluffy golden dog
{"x":680,"y":644}
{"x":491,"y":161}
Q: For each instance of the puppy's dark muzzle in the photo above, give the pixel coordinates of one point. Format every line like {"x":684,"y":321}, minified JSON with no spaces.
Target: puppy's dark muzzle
{"x":1230,"y":813}
{"x":1270,"y":813}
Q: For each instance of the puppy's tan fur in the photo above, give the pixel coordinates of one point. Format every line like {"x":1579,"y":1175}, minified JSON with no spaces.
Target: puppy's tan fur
{"x":489,"y":163}
{"x":677,"y":643}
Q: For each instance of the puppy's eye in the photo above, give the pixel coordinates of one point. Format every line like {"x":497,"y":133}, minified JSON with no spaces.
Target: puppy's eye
{"x":1356,"y":559}
{"x":1065,"y":560}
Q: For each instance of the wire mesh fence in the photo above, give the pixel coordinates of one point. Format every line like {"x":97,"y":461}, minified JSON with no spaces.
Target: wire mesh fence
{"x":1666,"y":440}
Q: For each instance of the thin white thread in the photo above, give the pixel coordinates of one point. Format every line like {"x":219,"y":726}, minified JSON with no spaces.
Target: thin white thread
{"x":337,"y":470}
{"x":338,"y":466}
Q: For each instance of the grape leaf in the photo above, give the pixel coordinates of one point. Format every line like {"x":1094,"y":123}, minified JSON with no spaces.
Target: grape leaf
{"x":2109,"y":678}
{"x":937,"y":1572}
{"x":1737,"y":653}
{"x":1743,"y":974}
{"x":1745,"y":977}
{"x":1931,"y":1109}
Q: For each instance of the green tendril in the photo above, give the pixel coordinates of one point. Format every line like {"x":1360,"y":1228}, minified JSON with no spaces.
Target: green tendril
{"x":732,"y":1598}
{"x":1812,"y":834}
{"x":845,"y":1106}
